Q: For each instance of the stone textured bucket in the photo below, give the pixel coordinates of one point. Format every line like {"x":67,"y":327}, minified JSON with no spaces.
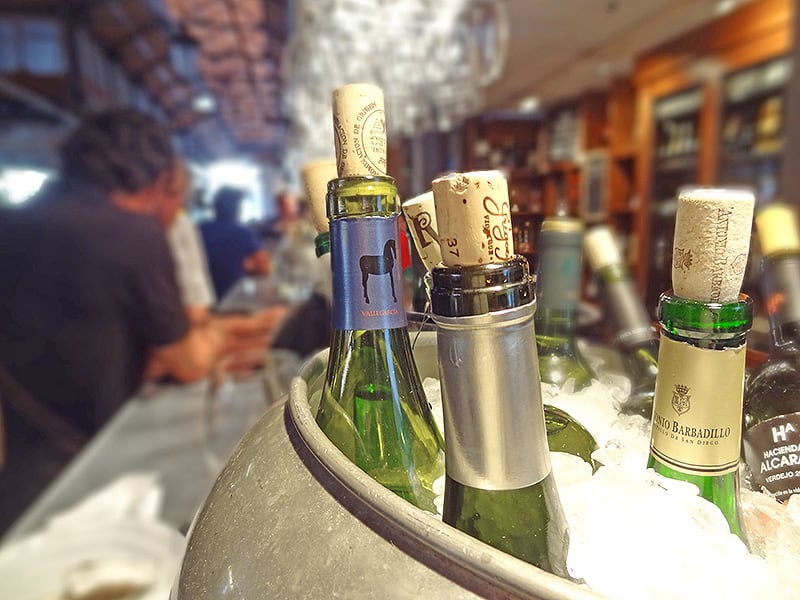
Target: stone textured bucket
{"x":291,"y":517}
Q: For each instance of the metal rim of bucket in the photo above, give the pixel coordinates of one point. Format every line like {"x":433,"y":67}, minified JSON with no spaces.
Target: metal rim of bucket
{"x":443,"y":548}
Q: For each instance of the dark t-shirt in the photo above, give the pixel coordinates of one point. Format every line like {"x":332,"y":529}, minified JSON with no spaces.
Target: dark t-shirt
{"x":86,"y":289}
{"x":227,"y":246}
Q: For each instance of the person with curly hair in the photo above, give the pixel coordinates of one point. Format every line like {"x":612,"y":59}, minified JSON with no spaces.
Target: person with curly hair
{"x":88,"y":293}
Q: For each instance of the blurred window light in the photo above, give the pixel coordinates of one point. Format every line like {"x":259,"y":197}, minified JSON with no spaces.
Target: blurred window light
{"x":244,"y":175}
{"x":19,"y":185}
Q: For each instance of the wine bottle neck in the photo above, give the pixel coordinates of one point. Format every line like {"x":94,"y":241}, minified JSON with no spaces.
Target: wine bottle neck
{"x":365,"y":254}
{"x":481,"y":289}
{"x":709,"y":325}
{"x":494,"y":424}
{"x":559,"y":271}
{"x":361,"y":197}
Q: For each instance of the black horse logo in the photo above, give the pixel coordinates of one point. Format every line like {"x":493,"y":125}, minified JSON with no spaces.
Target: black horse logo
{"x":379,"y":265}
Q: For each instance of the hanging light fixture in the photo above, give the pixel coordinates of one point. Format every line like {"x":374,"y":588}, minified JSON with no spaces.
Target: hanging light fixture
{"x":432,"y":60}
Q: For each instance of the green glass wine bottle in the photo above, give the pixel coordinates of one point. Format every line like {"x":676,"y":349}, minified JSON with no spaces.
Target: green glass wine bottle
{"x":634,"y":335}
{"x":696,"y":415}
{"x":696,"y":427}
{"x":373,"y":406}
{"x":499,"y":485}
{"x":558,"y":288}
{"x":771,"y":417}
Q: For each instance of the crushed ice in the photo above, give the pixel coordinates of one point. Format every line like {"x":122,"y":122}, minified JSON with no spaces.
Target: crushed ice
{"x":637,"y":535}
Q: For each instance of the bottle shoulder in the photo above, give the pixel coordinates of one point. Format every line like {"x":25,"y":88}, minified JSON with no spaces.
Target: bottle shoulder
{"x":772,"y":389}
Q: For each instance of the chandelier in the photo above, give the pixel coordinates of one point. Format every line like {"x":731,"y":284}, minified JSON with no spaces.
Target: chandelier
{"x":432,"y":58}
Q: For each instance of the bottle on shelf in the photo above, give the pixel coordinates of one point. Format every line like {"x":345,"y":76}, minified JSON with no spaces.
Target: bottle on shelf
{"x":499,"y":485}
{"x":558,"y":288}
{"x":564,"y":433}
{"x":771,"y":417}
{"x":697,"y":424}
{"x":634,"y":335}
{"x":373,"y":407}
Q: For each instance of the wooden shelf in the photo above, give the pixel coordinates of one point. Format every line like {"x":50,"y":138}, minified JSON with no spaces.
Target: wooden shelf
{"x":752,"y":35}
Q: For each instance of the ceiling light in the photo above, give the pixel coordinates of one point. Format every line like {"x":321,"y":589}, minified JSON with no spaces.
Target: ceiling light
{"x":529,"y":104}
{"x":723,"y":7}
{"x":204,"y":103}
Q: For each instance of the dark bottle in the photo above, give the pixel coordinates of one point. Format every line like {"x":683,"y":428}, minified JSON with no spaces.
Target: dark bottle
{"x":373,"y":407}
{"x":634,"y":335}
{"x":771,"y":417}
{"x":696,"y":429}
{"x":499,"y":486}
{"x":558,"y":289}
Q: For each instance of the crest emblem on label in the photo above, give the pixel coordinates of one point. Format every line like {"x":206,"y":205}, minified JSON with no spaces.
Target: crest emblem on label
{"x":681,"y":400}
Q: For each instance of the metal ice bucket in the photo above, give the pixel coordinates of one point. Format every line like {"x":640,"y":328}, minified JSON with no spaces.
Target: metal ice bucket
{"x":291,"y":517}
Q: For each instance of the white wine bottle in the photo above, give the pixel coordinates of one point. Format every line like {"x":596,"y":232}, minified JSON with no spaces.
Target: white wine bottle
{"x":499,"y":485}
{"x":697,"y":425}
{"x":771,"y":421}
{"x":373,"y":406}
{"x":634,"y":335}
{"x":558,"y":283}
{"x":564,"y":433}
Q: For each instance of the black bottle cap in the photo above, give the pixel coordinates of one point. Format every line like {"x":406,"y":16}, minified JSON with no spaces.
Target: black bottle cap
{"x":481,"y":289}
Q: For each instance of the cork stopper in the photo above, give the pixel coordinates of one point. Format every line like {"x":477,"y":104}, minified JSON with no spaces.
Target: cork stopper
{"x":359,"y":125}
{"x":420,"y":214}
{"x":474,"y":218}
{"x":777,"y":229}
{"x":601,"y":248}
{"x":712,"y":240}
{"x":316,"y":175}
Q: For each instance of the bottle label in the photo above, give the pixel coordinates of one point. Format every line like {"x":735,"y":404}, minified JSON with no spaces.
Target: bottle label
{"x":697,"y":409}
{"x":772,"y":451}
{"x":367,"y":278}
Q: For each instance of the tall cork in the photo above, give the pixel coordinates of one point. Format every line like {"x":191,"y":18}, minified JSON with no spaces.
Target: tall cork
{"x":601,"y":248}
{"x":359,"y":125}
{"x":316,"y":175}
{"x":777,"y":229}
{"x":420,"y":213}
{"x":474,"y":218}
{"x":712,"y":240}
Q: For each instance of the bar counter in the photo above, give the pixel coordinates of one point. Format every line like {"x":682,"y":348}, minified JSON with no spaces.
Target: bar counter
{"x":164,"y":430}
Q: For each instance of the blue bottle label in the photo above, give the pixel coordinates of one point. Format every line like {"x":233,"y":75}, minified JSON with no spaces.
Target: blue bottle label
{"x":367,"y":278}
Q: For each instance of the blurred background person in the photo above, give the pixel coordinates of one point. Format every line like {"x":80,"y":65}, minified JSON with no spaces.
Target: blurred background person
{"x":233,"y":250}
{"x":247,"y":335}
{"x":88,"y":294}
